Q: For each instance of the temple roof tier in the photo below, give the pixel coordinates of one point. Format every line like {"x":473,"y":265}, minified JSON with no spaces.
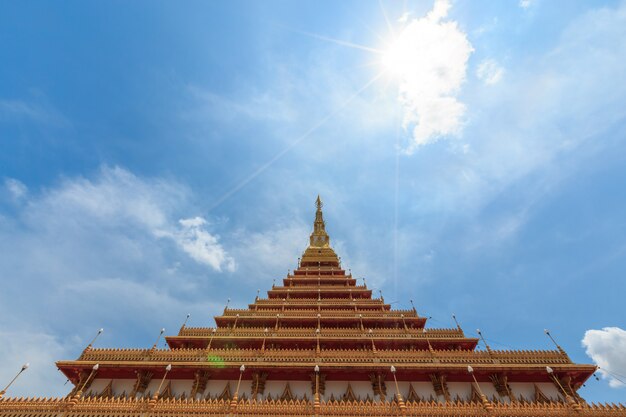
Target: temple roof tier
{"x":295,"y":304}
{"x":354,"y":371}
{"x":322,"y":287}
{"x":323,"y":302}
{"x":303,"y":318}
{"x":332,"y":292}
{"x":522,"y":365}
{"x":337,"y":312}
{"x":208,"y":332}
{"x":328,"y":338}
{"x":519,"y":358}
{"x":319,"y":270}
{"x":319,"y":280}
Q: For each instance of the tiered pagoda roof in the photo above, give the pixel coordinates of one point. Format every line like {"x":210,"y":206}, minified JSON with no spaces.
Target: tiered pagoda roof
{"x":322,"y":329}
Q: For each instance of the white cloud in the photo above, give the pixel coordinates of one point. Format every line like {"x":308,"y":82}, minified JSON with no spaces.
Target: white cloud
{"x":101,"y":248}
{"x":525,"y":4}
{"x":270,"y":253}
{"x":489,"y":71}
{"x":16,"y":188}
{"x":117,"y":198}
{"x":40,"y":350}
{"x":546,"y":118}
{"x":202,"y":246}
{"x":429,"y":57}
{"x":36,"y":109}
{"x":606,"y":347}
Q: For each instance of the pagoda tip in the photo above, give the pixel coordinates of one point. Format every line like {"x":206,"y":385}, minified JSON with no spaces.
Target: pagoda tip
{"x":318,"y":202}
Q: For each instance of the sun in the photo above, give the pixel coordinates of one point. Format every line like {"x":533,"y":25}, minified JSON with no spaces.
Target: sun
{"x":395,"y":58}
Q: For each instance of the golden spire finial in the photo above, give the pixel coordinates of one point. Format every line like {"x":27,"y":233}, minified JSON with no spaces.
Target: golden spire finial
{"x":319,"y":237}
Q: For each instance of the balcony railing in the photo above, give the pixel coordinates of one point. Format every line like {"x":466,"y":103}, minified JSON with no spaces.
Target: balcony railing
{"x":352,"y":356}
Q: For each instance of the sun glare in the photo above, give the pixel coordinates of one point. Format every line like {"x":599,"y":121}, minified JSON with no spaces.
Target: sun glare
{"x":397,"y":56}
{"x":403,"y":58}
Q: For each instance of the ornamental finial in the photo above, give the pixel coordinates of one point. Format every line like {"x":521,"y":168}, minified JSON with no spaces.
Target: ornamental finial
{"x":319,"y":237}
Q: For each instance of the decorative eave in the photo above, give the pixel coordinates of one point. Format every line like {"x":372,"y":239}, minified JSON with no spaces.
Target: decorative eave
{"x":326,"y":301}
{"x":320,"y":279}
{"x":329,"y":288}
{"x":333,"y":340}
{"x":355,"y":359}
{"x":343,"y":312}
{"x":529,"y":357}
{"x":319,"y":271}
{"x":391,"y":332}
{"x":331,"y":292}
{"x":289,"y":366}
{"x":131,"y":407}
{"x":294,"y":304}
{"x":291,"y":319}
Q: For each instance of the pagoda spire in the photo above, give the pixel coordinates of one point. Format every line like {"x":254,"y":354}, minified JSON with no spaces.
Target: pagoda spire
{"x":319,"y":237}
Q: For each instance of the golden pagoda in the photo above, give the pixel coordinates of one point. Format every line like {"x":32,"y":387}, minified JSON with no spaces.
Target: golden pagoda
{"x":318,"y":345}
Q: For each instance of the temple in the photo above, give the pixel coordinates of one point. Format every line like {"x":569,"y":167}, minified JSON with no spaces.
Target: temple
{"x":318,"y":344}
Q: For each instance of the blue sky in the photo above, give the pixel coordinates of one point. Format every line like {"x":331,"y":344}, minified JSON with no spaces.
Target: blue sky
{"x":157,"y":159}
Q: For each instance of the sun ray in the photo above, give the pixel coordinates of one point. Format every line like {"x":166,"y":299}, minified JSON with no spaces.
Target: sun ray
{"x":396,"y":198}
{"x":340,"y":42}
{"x":282,"y":153}
{"x":366,"y":26}
{"x":384,"y":12}
{"x":368,"y":64}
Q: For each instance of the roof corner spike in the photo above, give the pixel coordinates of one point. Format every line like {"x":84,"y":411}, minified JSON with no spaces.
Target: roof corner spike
{"x":458,"y":326}
{"x":560,"y":349}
